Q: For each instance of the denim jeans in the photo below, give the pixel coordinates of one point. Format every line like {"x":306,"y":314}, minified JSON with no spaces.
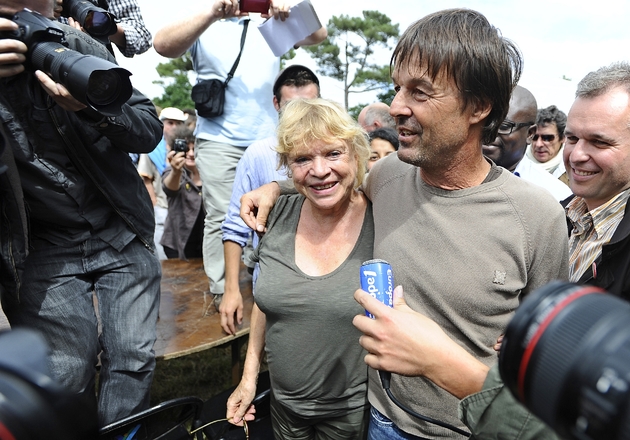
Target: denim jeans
{"x":57,"y":298}
{"x":381,"y":428}
{"x":216,"y":163}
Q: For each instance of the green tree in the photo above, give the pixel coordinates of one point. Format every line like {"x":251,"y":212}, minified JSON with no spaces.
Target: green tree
{"x":177,"y":86}
{"x":175,"y":82}
{"x":347,"y":54}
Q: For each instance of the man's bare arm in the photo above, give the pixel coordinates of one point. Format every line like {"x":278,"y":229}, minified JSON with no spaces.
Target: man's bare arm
{"x":173,"y":40}
{"x":232,"y":302}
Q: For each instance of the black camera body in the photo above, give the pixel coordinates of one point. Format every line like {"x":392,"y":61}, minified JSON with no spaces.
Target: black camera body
{"x":180,"y":146}
{"x":97,"y":83}
{"x":34,"y":28}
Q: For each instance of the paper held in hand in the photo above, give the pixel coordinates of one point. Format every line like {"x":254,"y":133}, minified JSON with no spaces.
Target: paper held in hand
{"x":281,"y":36}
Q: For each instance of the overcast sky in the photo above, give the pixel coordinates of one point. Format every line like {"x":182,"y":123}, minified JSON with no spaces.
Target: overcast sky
{"x":558,"y":38}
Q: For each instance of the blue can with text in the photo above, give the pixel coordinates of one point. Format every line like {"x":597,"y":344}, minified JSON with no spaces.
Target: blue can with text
{"x":377,"y":279}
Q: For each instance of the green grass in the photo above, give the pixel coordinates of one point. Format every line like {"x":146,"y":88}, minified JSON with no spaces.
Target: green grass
{"x":204,"y":374}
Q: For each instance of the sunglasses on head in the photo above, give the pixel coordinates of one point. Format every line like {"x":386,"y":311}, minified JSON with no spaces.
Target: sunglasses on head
{"x":544,"y":137}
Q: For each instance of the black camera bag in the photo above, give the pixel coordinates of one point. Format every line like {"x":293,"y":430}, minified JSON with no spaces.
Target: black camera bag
{"x":209,"y":94}
{"x":209,"y":97}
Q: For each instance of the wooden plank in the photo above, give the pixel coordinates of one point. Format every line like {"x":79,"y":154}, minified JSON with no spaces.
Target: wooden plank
{"x":188,"y":321}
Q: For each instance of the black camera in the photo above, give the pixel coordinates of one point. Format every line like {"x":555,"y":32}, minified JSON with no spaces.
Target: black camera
{"x":566,"y":357}
{"x":96,"y":21}
{"x":180,"y":145}
{"x":32,"y":404}
{"x":97,"y":83}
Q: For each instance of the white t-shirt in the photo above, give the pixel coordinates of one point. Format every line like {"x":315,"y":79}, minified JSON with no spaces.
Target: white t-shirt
{"x":248,"y":113}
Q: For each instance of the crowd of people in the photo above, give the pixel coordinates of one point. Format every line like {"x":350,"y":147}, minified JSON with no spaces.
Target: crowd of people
{"x":473,"y":194}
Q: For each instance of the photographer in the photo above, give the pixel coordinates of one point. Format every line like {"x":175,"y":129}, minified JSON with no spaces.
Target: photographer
{"x":91,"y":226}
{"x":183,"y":228}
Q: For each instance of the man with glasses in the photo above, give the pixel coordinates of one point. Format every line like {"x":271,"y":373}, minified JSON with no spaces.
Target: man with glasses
{"x":508,"y":149}
{"x":548,"y":140}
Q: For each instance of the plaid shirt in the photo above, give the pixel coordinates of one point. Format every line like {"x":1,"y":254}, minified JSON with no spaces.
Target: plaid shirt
{"x":137,"y":35}
{"x":591,"y":230}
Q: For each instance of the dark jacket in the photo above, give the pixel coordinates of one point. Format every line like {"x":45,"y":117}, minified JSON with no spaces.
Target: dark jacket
{"x":613,"y":265}
{"x":184,"y":208}
{"x":98,"y":147}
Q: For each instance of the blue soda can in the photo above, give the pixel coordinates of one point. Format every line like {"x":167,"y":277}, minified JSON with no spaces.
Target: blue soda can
{"x":377,"y":279}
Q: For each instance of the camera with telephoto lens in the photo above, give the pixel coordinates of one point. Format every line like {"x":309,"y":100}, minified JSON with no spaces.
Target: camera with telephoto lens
{"x":97,"y":83}
{"x":180,"y":146}
{"x":566,"y":356}
{"x":96,"y":21}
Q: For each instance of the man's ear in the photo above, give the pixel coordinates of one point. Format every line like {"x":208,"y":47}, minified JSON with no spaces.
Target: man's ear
{"x":481,"y":110}
{"x":276,"y":104}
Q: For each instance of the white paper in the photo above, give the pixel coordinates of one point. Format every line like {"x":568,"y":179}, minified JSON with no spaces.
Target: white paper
{"x":281,"y":36}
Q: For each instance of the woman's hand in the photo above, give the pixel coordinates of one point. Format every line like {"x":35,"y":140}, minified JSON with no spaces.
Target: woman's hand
{"x":176,"y":159}
{"x":239,"y":405}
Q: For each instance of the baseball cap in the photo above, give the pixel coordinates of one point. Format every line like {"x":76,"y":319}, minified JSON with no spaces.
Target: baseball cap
{"x":173,"y":113}
{"x":292,"y":70}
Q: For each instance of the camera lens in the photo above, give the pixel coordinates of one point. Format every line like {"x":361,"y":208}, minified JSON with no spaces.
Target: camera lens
{"x":104,"y":87}
{"x":99,"y":23}
{"x":96,"y":21}
{"x":566,"y":356}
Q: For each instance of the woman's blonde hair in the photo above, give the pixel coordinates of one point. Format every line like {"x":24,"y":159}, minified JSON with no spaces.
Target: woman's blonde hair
{"x":303,"y":121}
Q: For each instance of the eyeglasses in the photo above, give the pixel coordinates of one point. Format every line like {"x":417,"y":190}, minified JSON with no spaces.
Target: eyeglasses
{"x":544,"y":137}
{"x":507,"y":126}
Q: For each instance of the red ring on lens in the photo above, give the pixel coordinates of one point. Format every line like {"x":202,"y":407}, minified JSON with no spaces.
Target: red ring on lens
{"x":527,"y":354}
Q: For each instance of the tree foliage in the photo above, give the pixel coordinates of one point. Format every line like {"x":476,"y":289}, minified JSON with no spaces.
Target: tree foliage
{"x":174,"y":80}
{"x":177,"y":87}
{"x":348,"y":51}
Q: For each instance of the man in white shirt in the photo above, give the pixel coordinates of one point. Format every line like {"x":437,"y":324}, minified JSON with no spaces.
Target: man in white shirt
{"x":515,"y":134}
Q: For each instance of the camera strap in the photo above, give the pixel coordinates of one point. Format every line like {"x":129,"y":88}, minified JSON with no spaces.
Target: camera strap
{"x":238,"y":58}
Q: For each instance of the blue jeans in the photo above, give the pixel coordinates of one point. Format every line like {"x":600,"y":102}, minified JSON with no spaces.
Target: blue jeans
{"x":57,"y":298}
{"x":381,"y":428}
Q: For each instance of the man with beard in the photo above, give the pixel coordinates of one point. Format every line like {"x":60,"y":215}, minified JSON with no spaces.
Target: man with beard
{"x":514,"y":135}
{"x":466,"y":238}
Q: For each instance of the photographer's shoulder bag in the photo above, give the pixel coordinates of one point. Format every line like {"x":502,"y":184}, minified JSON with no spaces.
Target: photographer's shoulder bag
{"x":209,"y":94}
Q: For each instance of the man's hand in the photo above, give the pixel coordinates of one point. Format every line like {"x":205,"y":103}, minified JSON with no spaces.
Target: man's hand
{"x":231,"y":304}
{"x":257,"y":204}
{"x":239,"y":404}
{"x":227,"y":9}
{"x":12,"y":52}
{"x":279,"y":10}
{"x":398,"y":338}
{"x":406,"y":342}
{"x":59,"y":93}
{"x":75,"y":24}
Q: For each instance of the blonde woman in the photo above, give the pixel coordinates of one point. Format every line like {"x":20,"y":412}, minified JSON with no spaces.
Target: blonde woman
{"x":309,"y":260}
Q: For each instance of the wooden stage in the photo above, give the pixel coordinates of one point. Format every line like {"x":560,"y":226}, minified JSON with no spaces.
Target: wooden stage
{"x":188,"y":321}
